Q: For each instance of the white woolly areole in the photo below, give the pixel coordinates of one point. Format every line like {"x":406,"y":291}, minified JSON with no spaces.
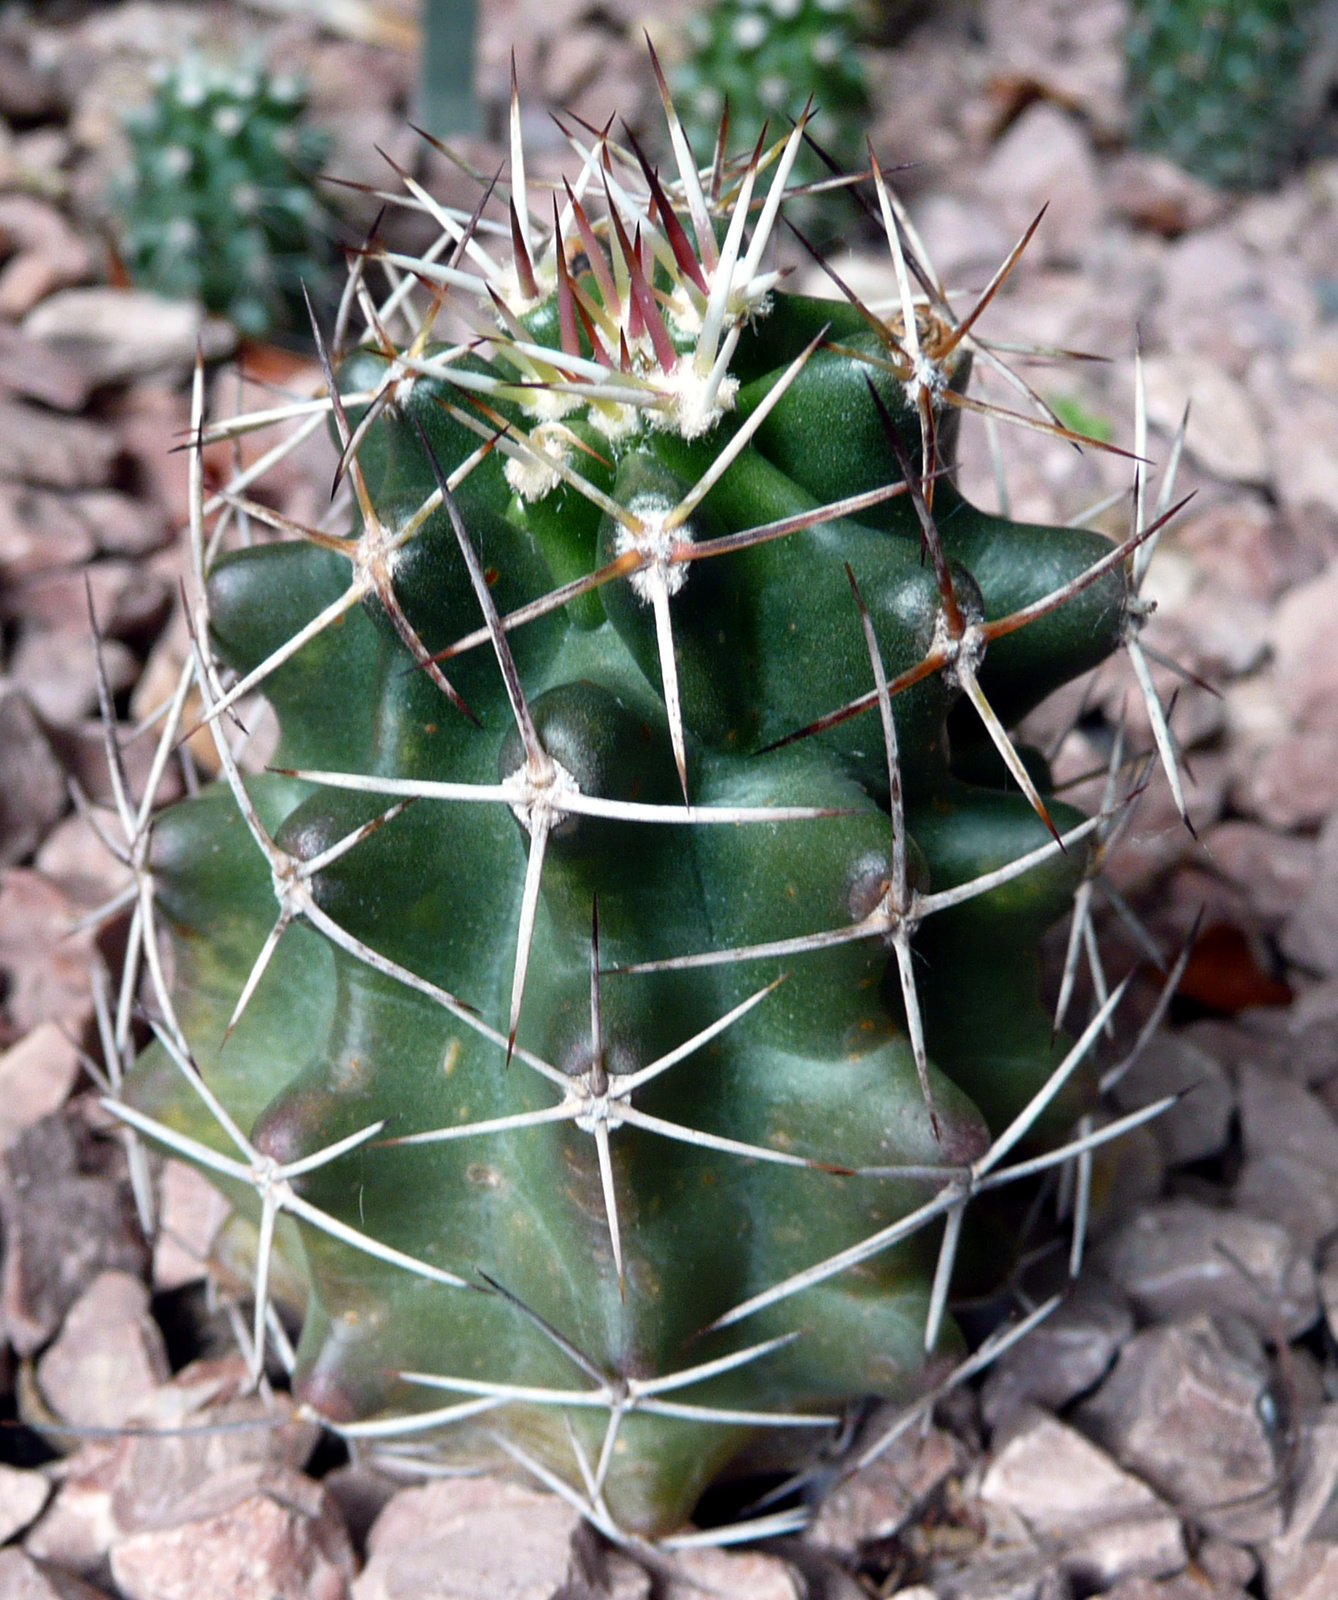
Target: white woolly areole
{"x":547,"y":794}
{"x":613,"y":419}
{"x":655,"y":541}
{"x":547,"y":404}
{"x":533,"y":478}
{"x":691,"y":409}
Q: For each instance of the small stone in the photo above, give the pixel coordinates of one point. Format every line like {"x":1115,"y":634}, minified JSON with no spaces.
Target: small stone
{"x":876,"y":1501}
{"x":1184,"y":1586}
{"x":1291,"y":1193}
{"x":126,"y":598}
{"x":119,"y":334}
{"x":36,"y":1076}
{"x":462,"y":1538}
{"x":1273,"y":870}
{"x":57,"y":673}
{"x":61,"y":452}
{"x":1309,"y":1573}
{"x":960,"y":238}
{"x":22,"y":1578}
{"x":1290,"y":782}
{"x":1305,"y":446}
{"x":190,"y":1213}
{"x":251,"y":1532}
{"x":44,"y":252}
{"x":33,"y":795}
{"x":44,"y":963}
{"x":22,"y":1496}
{"x":1222,"y":435}
{"x":1178,"y":1257}
{"x":35,"y":373}
{"x":75,"y":859}
{"x":109,"y":1356}
{"x":1186,"y":1409}
{"x":1310,"y":934}
{"x":62,"y":1228}
{"x":1247,"y":546}
{"x":39,"y":530}
{"x":1046,"y":157}
{"x":1155,"y":193}
{"x":1196,"y":1127}
{"x":1107,"y":1524}
{"x":743,"y":1575}
{"x":1062,"y":1357}
{"x":1225,"y":1563}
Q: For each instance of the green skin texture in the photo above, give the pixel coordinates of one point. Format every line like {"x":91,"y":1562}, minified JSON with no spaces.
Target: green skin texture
{"x":766,"y":638}
{"x":1216,"y":87}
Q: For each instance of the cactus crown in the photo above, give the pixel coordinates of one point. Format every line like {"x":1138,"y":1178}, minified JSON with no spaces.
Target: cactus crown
{"x":619,"y":975}
{"x":219,"y":203}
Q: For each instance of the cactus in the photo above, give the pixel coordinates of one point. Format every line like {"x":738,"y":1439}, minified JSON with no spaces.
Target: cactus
{"x":764,"y":58}
{"x":617,"y":987}
{"x":1217,"y":84}
{"x":219,"y":202}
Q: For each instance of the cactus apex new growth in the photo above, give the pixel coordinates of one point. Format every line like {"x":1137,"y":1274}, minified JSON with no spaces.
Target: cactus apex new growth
{"x":612,"y":996}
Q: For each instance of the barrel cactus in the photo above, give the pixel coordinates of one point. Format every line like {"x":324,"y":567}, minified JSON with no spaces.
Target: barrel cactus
{"x":614,"y":990}
{"x":219,"y":201}
{"x":1219,"y":85}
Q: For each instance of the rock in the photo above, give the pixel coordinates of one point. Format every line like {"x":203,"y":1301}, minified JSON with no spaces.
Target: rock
{"x":1247,"y":547}
{"x":36,"y":1076}
{"x":75,"y":859}
{"x":362,"y":1494}
{"x":190,"y":1213}
{"x":44,"y":252}
{"x":1185,"y":1408}
{"x":62,"y":1228}
{"x":465,"y":1538}
{"x":1310,"y":935}
{"x":1178,"y":1257}
{"x":119,"y":334}
{"x":1303,"y":1562}
{"x":1305,"y":652}
{"x":109,"y":1356}
{"x":1198,"y":1125}
{"x":29,"y":370}
{"x":1046,"y":157}
{"x":1305,"y":446}
{"x":1310,"y":1573}
{"x":599,"y":1571}
{"x":1272,"y":870}
{"x":743,"y":1575}
{"x":1062,"y":1357}
{"x":112,"y":1489}
{"x":1106,"y":1523}
{"x":120,"y":524}
{"x":1290,"y":783}
{"x":876,"y":1501}
{"x":39,"y":530}
{"x":33,"y":795}
{"x":1186,"y":1586}
{"x":1203,"y":273}
{"x":62,"y":452}
{"x":44,"y":963}
{"x":22,"y":1578}
{"x":1154,"y":193}
{"x":965,"y":241}
{"x":1223,"y":435}
{"x":126,"y":598}
{"x":1291,"y":1147}
{"x":251,"y":1532}
{"x":56,"y":671}
{"x":22,"y":1496}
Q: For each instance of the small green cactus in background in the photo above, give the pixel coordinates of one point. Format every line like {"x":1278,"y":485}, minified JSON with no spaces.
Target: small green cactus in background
{"x":219,"y":203}
{"x":765,"y":59}
{"x":1216,"y":85}
{"x":618,"y":987}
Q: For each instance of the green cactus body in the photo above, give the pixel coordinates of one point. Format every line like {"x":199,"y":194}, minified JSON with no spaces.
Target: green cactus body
{"x":1216,"y":84}
{"x":219,"y":203}
{"x":600,"y":1250}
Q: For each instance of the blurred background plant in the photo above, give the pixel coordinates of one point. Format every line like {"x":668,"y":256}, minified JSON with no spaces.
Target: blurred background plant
{"x":219,"y":202}
{"x":765,"y":59}
{"x":1224,"y":87}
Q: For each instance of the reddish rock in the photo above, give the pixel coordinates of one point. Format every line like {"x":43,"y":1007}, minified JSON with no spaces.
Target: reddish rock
{"x":36,"y":1076}
{"x":462,"y":1538}
{"x":251,"y":1532}
{"x":109,"y":1356}
{"x":33,"y":794}
{"x":876,"y":1501}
